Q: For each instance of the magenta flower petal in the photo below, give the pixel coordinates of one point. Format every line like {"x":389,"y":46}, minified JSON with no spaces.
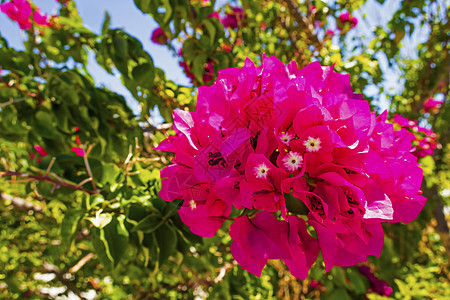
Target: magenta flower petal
{"x":40,"y":150}
{"x":261,"y":132}
{"x":78,"y":151}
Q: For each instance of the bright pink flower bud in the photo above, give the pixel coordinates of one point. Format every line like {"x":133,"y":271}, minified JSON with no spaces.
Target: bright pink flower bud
{"x":432,"y":105}
{"x":214,"y":15}
{"x":234,"y":18}
{"x":40,"y":150}
{"x":78,"y":151}
{"x":344,"y":17}
{"x":376,"y":285}
{"x":40,"y":18}
{"x":159,"y":36}
{"x":19,"y":11}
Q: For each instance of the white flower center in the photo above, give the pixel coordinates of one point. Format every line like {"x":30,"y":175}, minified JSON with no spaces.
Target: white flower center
{"x":312,"y":144}
{"x":192,"y":204}
{"x":286,"y":137}
{"x":293,"y":161}
{"x":261,"y":171}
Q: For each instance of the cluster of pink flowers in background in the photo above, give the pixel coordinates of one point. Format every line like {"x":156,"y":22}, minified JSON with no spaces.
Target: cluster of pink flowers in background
{"x":159,"y":36}
{"x":41,"y":152}
{"x":208,"y":71}
{"x":286,"y":145}
{"x":78,"y":150}
{"x":378,"y":286}
{"x":21,"y":12}
{"x":424,"y":139}
{"x":232,"y":19}
{"x":346,"y":18}
{"x":432,"y":106}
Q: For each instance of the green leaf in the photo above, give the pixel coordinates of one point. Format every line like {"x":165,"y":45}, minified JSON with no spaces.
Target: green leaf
{"x":339,"y":294}
{"x":143,"y":5}
{"x":106,"y":23}
{"x":111,"y":242}
{"x":169,"y":11}
{"x":211,"y":29}
{"x":121,"y":46}
{"x":69,"y":225}
{"x":109,"y":173}
{"x":144,"y":74}
{"x":44,"y":125}
{"x":149,"y":224}
{"x":198,"y":66}
{"x":167,"y":242}
{"x":74,"y":26}
{"x":101,"y":248}
{"x":359,"y":282}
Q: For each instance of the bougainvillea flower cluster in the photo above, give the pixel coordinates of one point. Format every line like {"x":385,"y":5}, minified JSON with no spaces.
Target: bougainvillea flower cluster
{"x":41,"y":152}
{"x":424,"y":139}
{"x":78,"y":150}
{"x":208,"y":70}
{"x":346,"y":18}
{"x":378,"y":286}
{"x":159,"y":36}
{"x":232,"y":19}
{"x":432,"y":105}
{"x":20,"y":11}
{"x":293,"y":151}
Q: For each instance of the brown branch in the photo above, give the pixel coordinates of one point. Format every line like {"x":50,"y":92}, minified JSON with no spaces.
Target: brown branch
{"x":59,"y":182}
{"x":81,"y":263}
{"x":21,"y":203}
{"x":11,"y":101}
{"x":303,"y":22}
{"x":88,"y":167}
{"x":11,"y":85}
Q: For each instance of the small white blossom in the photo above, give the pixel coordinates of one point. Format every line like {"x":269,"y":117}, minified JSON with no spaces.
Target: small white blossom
{"x":286,"y":137}
{"x":192,"y":204}
{"x":312,"y":144}
{"x":261,"y":171}
{"x":293,"y":161}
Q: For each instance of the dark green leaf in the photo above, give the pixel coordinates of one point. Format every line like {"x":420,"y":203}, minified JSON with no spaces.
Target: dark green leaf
{"x":69,"y":225}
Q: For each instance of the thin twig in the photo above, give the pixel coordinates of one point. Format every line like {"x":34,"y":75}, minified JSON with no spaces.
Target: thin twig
{"x":59,"y":182}
{"x":28,"y":93}
{"x":303,"y":22}
{"x":11,"y":101}
{"x":81,"y":263}
{"x":50,"y":166}
{"x":88,"y":167}
{"x":84,"y":181}
{"x":21,"y":203}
